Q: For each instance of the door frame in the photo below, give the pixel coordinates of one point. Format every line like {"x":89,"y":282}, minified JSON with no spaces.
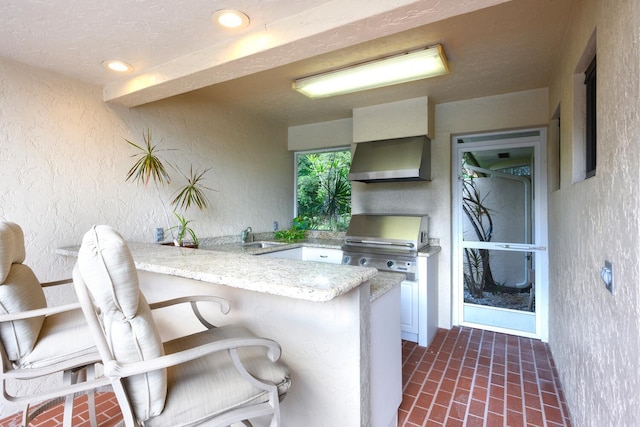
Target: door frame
{"x":540,"y":233}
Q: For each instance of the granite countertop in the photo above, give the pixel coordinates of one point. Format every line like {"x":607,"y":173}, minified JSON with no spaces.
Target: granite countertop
{"x":306,"y":280}
{"x":380,"y":283}
{"x":383,"y":282}
{"x":238,"y":247}
{"x":278,"y":246}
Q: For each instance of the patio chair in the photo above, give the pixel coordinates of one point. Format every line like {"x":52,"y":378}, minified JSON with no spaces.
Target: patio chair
{"x":37,"y":341}
{"x":220,"y":376}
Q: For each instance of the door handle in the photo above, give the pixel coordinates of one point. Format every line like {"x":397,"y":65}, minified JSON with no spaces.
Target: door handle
{"x":523,"y":247}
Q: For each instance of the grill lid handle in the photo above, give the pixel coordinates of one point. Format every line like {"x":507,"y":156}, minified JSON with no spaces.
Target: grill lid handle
{"x":377,"y":243}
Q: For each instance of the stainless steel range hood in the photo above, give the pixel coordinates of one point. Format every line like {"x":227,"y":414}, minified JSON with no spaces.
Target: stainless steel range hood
{"x":390,"y":160}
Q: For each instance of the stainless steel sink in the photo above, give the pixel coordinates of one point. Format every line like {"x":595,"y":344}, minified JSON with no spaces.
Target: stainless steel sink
{"x":262,"y":244}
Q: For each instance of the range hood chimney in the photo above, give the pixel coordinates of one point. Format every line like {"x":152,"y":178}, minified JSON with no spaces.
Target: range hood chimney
{"x":392,"y":160}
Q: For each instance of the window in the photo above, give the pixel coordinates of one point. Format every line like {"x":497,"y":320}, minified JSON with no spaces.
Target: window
{"x":583,"y":130}
{"x":590,"y":131}
{"x":554,"y":158}
{"x":323,"y":189}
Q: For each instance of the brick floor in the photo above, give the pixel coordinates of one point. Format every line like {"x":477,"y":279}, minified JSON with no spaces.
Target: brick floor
{"x":107,"y":414}
{"x":466,"y":377}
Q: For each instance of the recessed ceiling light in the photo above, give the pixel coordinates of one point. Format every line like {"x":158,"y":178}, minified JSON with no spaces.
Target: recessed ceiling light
{"x":117,"y":66}
{"x":230,"y":19}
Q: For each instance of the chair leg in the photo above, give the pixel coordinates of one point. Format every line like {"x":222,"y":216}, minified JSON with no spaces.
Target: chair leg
{"x":69,"y":377}
{"x":128,"y":419}
{"x":275,"y":421}
{"x":25,"y":416}
{"x":91,"y":397}
{"x":75,"y":376}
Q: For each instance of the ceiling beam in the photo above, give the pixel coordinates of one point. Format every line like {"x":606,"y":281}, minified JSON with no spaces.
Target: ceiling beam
{"x":329,"y":26}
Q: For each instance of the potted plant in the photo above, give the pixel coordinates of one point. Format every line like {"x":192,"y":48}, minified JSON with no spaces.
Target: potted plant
{"x":150,"y":166}
{"x":184,"y":229}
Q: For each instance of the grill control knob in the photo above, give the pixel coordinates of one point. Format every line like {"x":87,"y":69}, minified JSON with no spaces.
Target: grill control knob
{"x":346,"y":260}
{"x":390,"y":264}
{"x":363,"y":261}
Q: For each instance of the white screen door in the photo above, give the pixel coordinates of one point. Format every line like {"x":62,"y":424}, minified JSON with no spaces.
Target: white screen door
{"x":500,"y":232}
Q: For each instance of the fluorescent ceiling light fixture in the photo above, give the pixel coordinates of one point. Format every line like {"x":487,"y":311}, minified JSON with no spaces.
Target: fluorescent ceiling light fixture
{"x":117,"y":66}
{"x":406,"y":67}
{"x":230,"y":19}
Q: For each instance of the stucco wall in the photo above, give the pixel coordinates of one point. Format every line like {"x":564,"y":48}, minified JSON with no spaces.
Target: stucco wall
{"x":595,"y":336}
{"x":334,"y":133}
{"x":63,"y":162}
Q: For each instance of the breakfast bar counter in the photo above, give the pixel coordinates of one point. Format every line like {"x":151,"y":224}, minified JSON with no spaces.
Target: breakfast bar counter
{"x":321,"y":315}
{"x":289,"y":278}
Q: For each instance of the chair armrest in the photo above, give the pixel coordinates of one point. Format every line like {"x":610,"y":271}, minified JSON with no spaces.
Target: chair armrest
{"x":96,"y":384}
{"x":65,"y":365}
{"x":193,"y":301}
{"x":114,"y":369}
{"x":47,"y":311}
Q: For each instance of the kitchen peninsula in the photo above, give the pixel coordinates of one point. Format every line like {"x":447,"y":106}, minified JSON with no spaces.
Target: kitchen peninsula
{"x":326,"y":317}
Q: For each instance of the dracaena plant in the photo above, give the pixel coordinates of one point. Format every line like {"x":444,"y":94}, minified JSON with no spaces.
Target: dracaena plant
{"x":183,"y":229}
{"x":193,"y":191}
{"x":149,"y":166}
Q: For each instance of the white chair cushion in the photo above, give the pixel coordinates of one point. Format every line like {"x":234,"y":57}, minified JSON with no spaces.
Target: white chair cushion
{"x":194,"y":387}
{"x":20,"y":291}
{"x":136,"y":339}
{"x":11,"y":247}
{"x":109,"y":273}
{"x":63,"y":336}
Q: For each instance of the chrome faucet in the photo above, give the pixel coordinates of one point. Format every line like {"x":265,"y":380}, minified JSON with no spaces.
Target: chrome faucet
{"x":245,"y":234}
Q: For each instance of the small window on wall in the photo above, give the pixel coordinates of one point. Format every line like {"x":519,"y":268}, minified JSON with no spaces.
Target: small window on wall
{"x":554,"y":153}
{"x":583,"y":131}
{"x":590,"y":129}
{"x":323,"y":189}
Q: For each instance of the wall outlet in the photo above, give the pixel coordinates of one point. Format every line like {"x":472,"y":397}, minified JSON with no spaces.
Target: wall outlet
{"x":275,"y":225}
{"x":159,"y":234}
{"x":607,"y":276}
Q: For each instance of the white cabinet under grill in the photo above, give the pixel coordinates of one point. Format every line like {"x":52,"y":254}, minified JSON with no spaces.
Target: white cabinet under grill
{"x":419,"y":302}
{"x":409,"y":310}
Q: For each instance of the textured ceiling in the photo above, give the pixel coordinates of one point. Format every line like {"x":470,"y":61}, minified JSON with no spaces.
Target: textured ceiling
{"x":73,"y":37}
{"x":493,"y":47}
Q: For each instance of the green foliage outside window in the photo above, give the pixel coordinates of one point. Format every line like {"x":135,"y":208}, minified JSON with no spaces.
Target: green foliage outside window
{"x":324,"y":190}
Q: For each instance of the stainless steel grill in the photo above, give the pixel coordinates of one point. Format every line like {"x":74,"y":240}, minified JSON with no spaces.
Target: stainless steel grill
{"x":386,"y":242}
